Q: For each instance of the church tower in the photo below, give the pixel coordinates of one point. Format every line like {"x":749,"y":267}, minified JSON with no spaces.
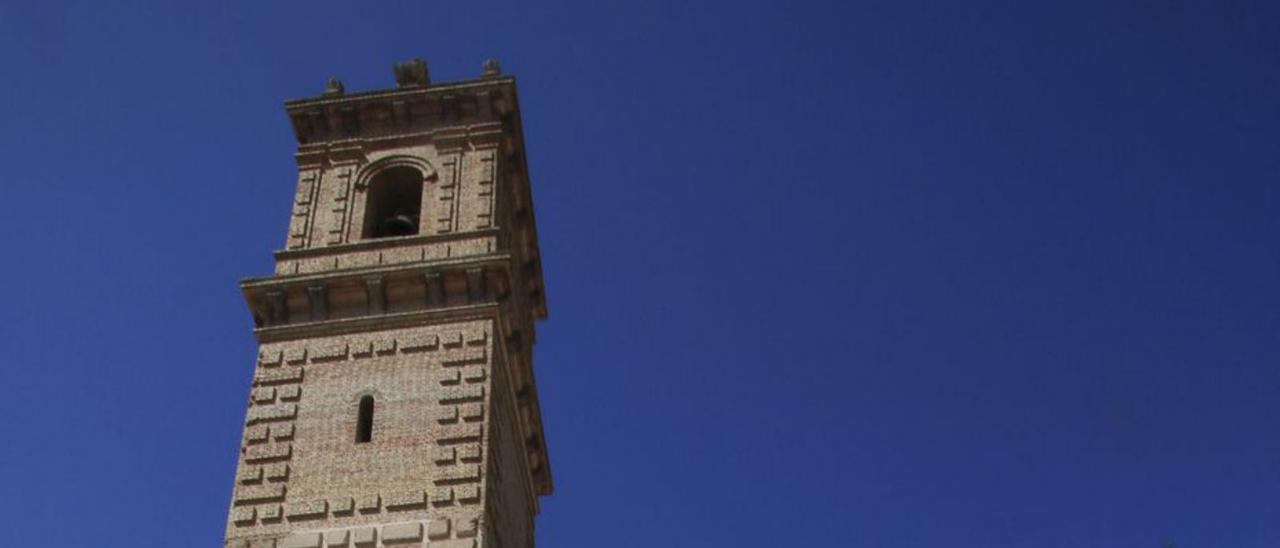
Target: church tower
{"x":393,"y":400}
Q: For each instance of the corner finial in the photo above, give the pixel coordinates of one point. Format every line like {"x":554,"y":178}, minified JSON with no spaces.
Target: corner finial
{"x":490,"y":68}
{"x":411,"y":73}
{"x":334,"y":87}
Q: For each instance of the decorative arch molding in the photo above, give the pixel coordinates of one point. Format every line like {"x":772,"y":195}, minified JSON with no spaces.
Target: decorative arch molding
{"x":367,"y":173}
{"x":359,"y":395}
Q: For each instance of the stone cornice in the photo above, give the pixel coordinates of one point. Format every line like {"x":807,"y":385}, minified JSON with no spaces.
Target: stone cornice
{"x":325,"y":328}
{"x":353,"y":150}
{"x":493,"y":260}
{"x":401,"y":112}
{"x":442,"y":87}
{"x":380,"y":243}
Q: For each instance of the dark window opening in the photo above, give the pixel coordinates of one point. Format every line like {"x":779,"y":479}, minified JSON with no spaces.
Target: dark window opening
{"x":364,"y":421}
{"x":395,"y":203}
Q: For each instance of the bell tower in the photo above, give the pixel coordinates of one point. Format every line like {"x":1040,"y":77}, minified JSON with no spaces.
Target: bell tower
{"x":393,"y":400}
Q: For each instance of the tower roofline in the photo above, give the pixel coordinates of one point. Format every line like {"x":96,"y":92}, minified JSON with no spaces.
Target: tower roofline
{"x":442,"y":87}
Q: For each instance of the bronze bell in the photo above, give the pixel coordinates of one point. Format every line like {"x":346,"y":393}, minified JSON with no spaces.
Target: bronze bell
{"x":400,"y":224}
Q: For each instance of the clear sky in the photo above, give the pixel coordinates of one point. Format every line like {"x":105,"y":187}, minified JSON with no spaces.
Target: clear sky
{"x":869,"y":274}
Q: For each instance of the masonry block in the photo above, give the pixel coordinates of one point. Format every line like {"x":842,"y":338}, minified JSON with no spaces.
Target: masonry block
{"x":255,"y":543}
{"x":467,"y":494}
{"x":449,"y":376}
{"x":458,"y":433}
{"x":337,"y":539}
{"x":257,"y":433}
{"x":362,"y":349}
{"x":467,"y":527}
{"x":406,"y":500}
{"x":282,"y":431}
{"x":476,"y":337}
{"x":263,"y":394}
{"x":456,"y":543}
{"x":330,"y":353}
{"x":244,"y":515}
{"x":301,"y":540}
{"x":472,"y":412}
{"x":456,"y":474}
{"x":369,"y":503}
{"x":441,"y":495}
{"x":474,"y":373}
{"x":290,"y":392}
{"x":342,"y":505}
{"x":469,"y":452}
{"x":282,"y":375}
{"x":250,"y":474}
{"x":451,"y":340}
{"x":267,"y":452}
{"x":271,"y":413}
{"x":461,"y":393}
{"x":446,"y":414}
{"x":419,"y":343}
{"x":466,"y":356}
{"x":384,"y":346}
{"x":364,"y":537}
{"x":270,"y":358}
{"x":446,"y":455}
{"x":303,"y":510}
{"x":295,"y":355}
{"x":252,"y":494}
{"x":276,"y":471}
{"x":400,"y":533}
{"x":271,"y":512}
{"x":438,"y":529}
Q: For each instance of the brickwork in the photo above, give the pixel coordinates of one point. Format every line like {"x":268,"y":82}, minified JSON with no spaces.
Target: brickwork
{"x":300,"y":468}
{"x":432,"y":327}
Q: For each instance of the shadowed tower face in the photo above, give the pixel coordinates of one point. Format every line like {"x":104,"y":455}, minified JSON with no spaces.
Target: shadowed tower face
{"x":393,"y":400}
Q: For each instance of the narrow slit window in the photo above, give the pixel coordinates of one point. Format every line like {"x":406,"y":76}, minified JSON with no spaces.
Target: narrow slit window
{"x":364,"y":420}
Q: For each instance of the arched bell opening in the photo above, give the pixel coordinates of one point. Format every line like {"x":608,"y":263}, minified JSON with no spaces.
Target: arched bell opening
{"x":394,"y":206}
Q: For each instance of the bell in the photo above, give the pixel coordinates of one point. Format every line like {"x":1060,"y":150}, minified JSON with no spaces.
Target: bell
{"x":400,"y":224}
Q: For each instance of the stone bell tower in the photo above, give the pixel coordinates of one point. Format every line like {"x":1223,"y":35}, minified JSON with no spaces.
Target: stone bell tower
{"x":393,"y":400}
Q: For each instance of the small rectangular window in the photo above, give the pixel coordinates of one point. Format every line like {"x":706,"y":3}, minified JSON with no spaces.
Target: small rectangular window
{"x":364,"y":420}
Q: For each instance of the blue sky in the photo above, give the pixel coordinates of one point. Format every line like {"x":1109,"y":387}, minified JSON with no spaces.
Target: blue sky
{"x":870,"y":274}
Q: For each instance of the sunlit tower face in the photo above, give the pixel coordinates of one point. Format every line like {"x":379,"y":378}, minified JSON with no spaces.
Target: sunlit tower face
{"x":393,"y":399}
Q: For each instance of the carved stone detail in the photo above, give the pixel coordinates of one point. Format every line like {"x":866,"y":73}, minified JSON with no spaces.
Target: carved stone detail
{"x":316,"y":295}
{"x":411,"y":73}
{"x":375,"y":294}
{"x":334,"y":87}
{"x":435,"y":289}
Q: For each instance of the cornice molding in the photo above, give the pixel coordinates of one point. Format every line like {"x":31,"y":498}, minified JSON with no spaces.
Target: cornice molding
{"x":496,"y":260}
{"x":401,"y":112}
{"x":345,"y":326}
{"x":386,"y":94}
